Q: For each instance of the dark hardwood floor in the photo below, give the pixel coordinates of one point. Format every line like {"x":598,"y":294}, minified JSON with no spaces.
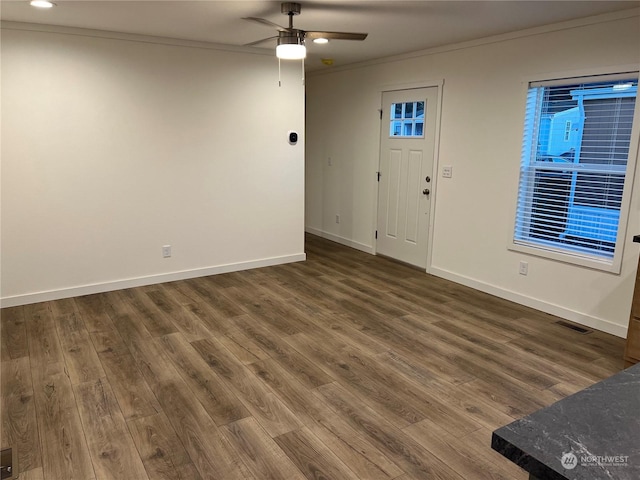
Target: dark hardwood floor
{"x":346,"y":366}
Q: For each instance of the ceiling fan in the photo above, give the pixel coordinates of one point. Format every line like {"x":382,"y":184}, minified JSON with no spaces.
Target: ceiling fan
{"x":291,"y":40}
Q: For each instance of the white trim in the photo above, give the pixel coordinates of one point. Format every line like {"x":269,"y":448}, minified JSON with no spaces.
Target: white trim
{"x":131,"y":37}
{"x":553,"y":309}
{"x":45,"y":296}
{"x":434,"y":178}
{"x":582,"y":75}
{"x":396,"y":87}
{"x":555,"y":254}
{"x":376,"y":190}
{"x":341,"y":240}
{"x":529,"y":32}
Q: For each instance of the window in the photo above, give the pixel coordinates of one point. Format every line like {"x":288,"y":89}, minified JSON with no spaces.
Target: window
{"x":407,"y":120}
{"x":575,"y":158}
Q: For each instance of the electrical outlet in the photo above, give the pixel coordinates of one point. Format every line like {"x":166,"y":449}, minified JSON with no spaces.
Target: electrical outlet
{"x":166,"y":251}
{"x":329,"y":161}
{"x":447,"y":171}
{"x":337,"y":218}
{"x":524,"y":268}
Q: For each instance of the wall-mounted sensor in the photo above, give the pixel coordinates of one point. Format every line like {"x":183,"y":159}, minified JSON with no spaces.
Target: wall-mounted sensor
{"x":293,"y":137}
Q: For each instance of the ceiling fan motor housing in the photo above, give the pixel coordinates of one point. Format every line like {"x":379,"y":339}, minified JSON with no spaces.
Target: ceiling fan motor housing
{"x":291,"y":37}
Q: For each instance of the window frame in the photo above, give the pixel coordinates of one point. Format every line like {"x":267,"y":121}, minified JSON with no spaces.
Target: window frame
{"x":554,"y":252}
{"x":403,"y":119}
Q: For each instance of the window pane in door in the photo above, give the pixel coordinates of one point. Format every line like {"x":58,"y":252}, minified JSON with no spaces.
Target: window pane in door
{"x":396,"y":110}
{"x":408,"y":111}
{"x":408,"y":129}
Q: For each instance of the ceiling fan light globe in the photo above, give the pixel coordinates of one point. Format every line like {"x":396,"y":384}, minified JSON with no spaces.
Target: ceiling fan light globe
{"x":291,"y":51}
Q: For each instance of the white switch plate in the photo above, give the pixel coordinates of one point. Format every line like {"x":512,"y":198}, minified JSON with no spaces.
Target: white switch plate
{"x":447,"y":171}
{"x":166,"y":251}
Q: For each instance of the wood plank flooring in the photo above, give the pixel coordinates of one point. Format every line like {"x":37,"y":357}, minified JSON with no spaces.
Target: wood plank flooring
{"x":347,"y":366}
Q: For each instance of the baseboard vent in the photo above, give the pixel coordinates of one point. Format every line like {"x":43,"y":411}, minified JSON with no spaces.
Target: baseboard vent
{"x":574,"y":327}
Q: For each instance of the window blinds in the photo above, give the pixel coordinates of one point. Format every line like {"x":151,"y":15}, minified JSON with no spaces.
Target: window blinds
{"x":574,"y":161}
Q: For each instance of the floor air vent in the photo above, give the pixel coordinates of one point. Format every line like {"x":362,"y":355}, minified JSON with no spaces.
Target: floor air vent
{"x":6,"y":464}
{"x":573,"y":327}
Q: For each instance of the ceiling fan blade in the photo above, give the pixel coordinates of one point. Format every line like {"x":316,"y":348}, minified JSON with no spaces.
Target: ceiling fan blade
{"x":260,"y":41}
{"x":265,"y":22}
{"x":336,"y":35}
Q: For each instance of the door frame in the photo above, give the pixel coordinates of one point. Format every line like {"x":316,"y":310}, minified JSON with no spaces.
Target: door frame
{"x":439,"y":84}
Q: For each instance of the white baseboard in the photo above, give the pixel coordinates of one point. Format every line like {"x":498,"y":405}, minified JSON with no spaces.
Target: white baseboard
{"x":341,"y":240}
{"x":557,"y":310}
{"x":29,"y":298}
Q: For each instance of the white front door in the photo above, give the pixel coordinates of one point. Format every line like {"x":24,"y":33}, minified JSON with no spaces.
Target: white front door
{"x":407,"y":140}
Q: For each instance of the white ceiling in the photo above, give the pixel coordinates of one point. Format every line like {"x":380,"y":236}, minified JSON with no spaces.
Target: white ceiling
{"x":394,"y":27}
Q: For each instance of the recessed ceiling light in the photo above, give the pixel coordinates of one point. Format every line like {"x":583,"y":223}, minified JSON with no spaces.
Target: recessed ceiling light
{"x":42,"y":3}
{"x":321,"y":40}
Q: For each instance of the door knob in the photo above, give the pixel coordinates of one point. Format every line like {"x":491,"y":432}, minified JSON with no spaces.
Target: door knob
{"x":425,"y":191}
{"x":428,"y":179}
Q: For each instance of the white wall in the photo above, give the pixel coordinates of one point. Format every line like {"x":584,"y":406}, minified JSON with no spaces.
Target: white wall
{"x":481,"y":133}
{"x":112,"y":148}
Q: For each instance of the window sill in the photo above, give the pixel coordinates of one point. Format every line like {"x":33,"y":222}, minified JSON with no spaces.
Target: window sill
{"x":568,"y":258}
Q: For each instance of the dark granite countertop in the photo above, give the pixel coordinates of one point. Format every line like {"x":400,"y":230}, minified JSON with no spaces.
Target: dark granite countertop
{"x":596,"y":431}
